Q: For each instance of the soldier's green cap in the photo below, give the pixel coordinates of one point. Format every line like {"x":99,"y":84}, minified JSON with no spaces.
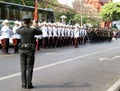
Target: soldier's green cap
{"x":27,"y":17}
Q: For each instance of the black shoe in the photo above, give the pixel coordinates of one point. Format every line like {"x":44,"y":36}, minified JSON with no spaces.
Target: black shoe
{"x":23,"y":86}
{"x":30,"y":87}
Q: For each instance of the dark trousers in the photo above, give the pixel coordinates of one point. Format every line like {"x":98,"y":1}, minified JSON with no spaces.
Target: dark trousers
{"x":16,"y":46}
{"x":5,"y":45}
{"x":27,"y":63}
{"x":45,"y":42}
{"x":76,"y":43}
{"x":55,"y":41}
{"x":49,"y":42}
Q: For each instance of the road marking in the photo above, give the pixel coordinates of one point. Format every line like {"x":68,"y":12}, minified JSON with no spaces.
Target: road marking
{"x":52,"y":53}
{"x":5,"y":55}
{"x":103,"y":59}
{"x":57,"y":63}
{"x":115,"y":86}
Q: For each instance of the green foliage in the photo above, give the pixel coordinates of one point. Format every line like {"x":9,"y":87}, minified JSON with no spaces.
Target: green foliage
{"x":94,"y":21}
{"x":69,"y":14}
{"x":31,"y":2}
{"x":27,"y":2}
{"x":77,"y":17}
{"x":111,"y":11}
{"x":48,"y":3}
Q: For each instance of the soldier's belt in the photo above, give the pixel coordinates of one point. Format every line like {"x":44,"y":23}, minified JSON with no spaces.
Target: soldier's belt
{"x":28,"y":46}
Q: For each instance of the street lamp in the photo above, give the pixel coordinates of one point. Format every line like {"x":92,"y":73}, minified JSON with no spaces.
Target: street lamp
{"x":63,"y":17}
{"x":81,"y":11}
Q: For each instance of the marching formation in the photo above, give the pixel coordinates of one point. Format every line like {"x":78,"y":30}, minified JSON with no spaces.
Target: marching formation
{"x":53,"y":35}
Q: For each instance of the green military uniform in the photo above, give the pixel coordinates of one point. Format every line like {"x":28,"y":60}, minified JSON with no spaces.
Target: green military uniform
{"x":27,"y":52}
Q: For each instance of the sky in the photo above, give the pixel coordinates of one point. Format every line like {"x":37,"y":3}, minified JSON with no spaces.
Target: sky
{"x":66,"y":2}
{"x":69,"y":2}
{"x":116,"y":0}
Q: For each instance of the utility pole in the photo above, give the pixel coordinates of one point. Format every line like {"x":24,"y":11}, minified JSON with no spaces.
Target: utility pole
{"x":81,"y":12}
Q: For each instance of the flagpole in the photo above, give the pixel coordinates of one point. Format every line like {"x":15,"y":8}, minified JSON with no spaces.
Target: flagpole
{"x":36,"y":11}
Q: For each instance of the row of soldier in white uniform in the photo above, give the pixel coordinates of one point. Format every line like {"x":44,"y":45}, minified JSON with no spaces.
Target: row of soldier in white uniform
{"x":57,"y":35}
{"x":53,"y":35}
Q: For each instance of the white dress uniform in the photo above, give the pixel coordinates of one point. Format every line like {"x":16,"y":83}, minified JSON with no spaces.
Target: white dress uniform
{"x":44,"y":31}
{"x":50,"y":31}
{"x":45,"y":36}
{"x":16,"y":38}
{"x":71,"y":36}
{"x":69,"y":32}
{"x":63,"y":35}
{"x":6,"y":33}
{"x":76,"y":32}
{"x":63,"y":31}
{"x":55,"y":36}
{"x":68,"y":35}
{"x":85,"y":35}
{"x":76,"y":36}
{"x":50,"y":35}
{"x":59,"y":36}
{"x":59,"y":31}
{"x":16,"y":35}
{"x":55,"y":31}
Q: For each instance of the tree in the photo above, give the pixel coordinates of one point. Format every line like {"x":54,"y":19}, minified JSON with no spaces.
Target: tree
{"x":26,"y":2}
{"x":111,"y":11}
{"x":48,"y":3}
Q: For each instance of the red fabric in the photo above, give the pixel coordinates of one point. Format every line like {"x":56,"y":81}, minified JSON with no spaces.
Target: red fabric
{"x":37,"y":45}
{"x":15,"y":41}
{"x":3,"y":41}
{"x":36,"y":11}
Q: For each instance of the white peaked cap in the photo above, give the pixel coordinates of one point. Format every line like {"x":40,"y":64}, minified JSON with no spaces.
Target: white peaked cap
{"x":49,"y":23}
{"x":44,"y":23}
{"x":5,"y":21}
{"x":20,"y":23}
{"x":16,"y":22}
{"x":76,"y":24}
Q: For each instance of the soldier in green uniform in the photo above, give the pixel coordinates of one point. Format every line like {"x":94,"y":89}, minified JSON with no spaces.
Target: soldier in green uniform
{"x":27,"y":51}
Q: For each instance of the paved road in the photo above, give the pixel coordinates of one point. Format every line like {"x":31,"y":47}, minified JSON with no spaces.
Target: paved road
{"x":91,"y":67}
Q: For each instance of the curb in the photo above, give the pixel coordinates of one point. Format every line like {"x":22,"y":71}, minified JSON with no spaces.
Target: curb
{"x":115,"y":86}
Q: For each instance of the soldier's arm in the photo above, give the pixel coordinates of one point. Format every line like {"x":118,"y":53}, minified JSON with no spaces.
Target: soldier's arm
{"x":19,"y":30}
{"x":38,"y":31}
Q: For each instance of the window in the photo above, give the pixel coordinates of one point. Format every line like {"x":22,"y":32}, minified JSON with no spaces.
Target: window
{"x":0,"y":14}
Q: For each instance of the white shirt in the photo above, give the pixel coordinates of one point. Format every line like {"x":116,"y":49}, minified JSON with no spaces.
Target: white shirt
{"x":72,"y":33}
{"x":66,"y":32}
{"x":59,"y":32}
{"x":6,"y":32}
{"x":76,"y":32}
{"x":69,"y":32}
{"x":83,"y":32}
{"x":16,"y":35}
{"x":54,"y":31}
{"x":44,"y":31}
{"x":63,"y":32}
{"x":50,"y":31}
